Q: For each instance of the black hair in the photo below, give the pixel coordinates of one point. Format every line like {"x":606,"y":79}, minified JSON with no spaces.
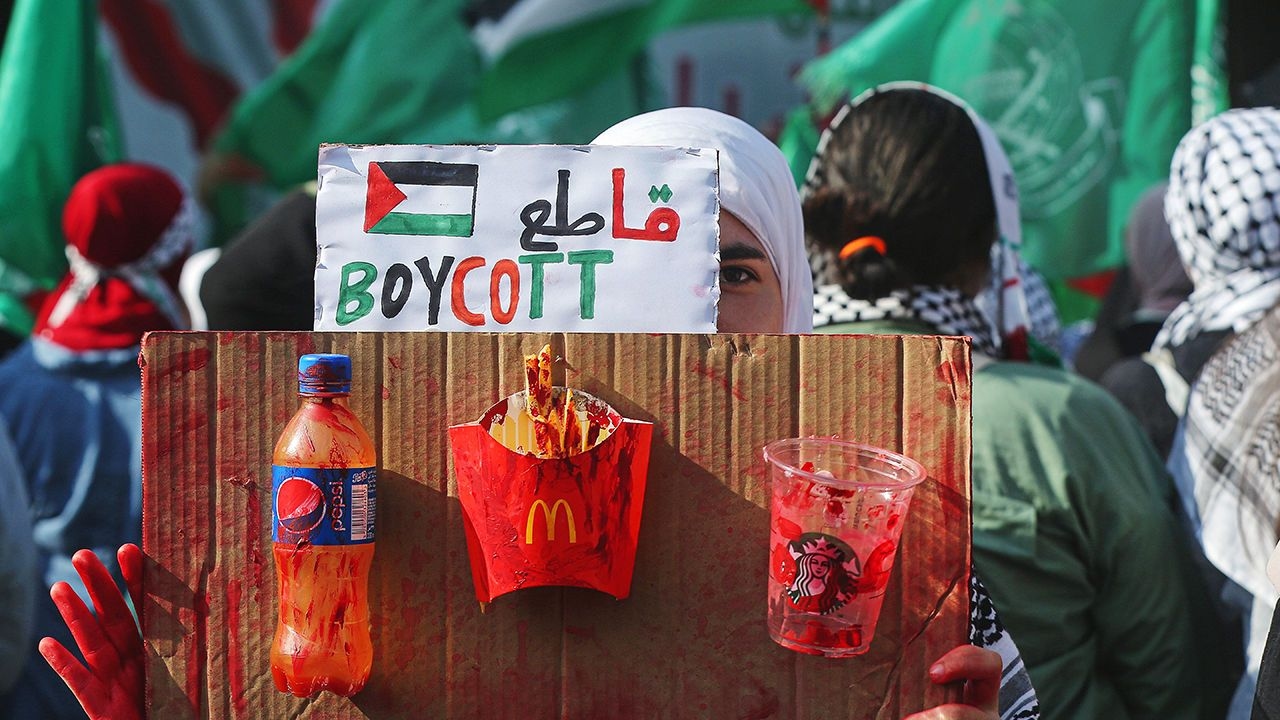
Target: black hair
{"x":906,"y":166}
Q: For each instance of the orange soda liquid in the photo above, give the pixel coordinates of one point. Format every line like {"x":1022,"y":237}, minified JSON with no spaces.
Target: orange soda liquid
{"x":323,"y":510}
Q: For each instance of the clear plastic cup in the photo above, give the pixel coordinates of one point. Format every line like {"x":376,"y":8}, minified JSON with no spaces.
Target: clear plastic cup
{"x":836,"y":516}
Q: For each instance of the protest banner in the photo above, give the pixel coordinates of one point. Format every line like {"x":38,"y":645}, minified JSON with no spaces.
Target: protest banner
{"x":517,"y":238}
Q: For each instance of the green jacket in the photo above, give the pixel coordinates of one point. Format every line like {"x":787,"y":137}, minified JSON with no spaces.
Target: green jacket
{"x":1075,"y":538}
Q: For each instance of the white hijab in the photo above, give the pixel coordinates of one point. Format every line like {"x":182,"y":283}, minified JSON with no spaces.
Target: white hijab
{"x":755,"y":185}
{"x":1016,"y":301}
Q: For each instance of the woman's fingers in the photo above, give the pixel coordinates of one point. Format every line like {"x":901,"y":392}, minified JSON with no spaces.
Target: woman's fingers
{"x":979,"y":669}
{"x":952,"y":712}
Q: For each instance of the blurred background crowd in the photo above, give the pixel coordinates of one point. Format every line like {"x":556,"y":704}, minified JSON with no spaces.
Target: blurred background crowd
{"x":1150,"y":230}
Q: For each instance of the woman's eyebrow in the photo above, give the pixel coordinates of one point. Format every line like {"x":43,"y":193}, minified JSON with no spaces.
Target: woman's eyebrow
{"x":739,"y":251}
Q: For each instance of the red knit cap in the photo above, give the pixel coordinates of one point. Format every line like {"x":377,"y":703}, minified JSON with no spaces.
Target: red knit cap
{"x":127,"y":237}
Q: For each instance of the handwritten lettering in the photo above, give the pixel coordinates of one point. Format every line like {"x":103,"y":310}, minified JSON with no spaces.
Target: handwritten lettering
{"x":357,"y":294}
{"x":460,"y":310}
{"x":509,"y":270}
{"x":397,"y":275}
{"x":588,"y":259}
{"x":435,"y":284}
{"x":536,"y":263}
{"x":662,"y":225}
{"x":534,"y":217}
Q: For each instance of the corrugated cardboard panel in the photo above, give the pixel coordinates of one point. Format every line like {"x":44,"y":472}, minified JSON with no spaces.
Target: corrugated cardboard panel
{"x":690,"y":641}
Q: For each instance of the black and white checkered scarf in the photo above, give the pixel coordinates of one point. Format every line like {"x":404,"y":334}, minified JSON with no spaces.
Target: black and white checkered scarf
{"x":944,"y":308}
{"x":1223,"y":208}
{"x":1016,"y":302}
{"x":1225,"y":466}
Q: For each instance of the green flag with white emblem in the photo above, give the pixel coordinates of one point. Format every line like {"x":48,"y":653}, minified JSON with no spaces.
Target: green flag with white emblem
{"x":1089,"y":98}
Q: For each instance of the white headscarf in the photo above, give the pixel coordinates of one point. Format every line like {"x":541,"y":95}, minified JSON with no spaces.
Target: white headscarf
{"x":755,"y":186}
{"x":1015,"y":303}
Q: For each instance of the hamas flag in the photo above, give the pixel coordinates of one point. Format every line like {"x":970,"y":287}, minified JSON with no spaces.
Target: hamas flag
{"x":1088,"y":97}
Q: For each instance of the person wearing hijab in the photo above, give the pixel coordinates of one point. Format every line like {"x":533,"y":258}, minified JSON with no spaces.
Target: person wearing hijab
{"x":767,"y":286}
{"x":1073,"y":531}
{"x":72,"y":391}
{"x":1222,"y":210}
{"x":765,"y":281}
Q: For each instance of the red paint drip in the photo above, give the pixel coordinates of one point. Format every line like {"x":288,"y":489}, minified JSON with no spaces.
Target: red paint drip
{"x":197,"y":655}
{"x":719,"y":378}
{"x":235,"y":664}
{"x":185,"y":362}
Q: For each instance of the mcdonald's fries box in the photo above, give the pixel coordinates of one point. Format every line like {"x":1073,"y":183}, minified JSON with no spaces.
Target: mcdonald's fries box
{"x":625,"y":575}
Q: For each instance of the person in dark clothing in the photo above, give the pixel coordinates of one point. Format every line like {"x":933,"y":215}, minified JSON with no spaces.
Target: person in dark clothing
{"x":1266,"y":699}
{"x":264,"y":279}
{"x":1151,"y":384}
{"x":1145,"y":290}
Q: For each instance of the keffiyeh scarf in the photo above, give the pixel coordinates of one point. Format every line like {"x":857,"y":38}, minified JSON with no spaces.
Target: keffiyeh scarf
{"x":1222,"y":210}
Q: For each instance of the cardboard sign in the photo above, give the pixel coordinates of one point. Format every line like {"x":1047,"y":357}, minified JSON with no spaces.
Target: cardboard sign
{"x":517,"y":238}
{"x":690,"y":640}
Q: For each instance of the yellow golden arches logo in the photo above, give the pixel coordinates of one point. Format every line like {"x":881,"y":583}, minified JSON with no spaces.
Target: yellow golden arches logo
{"x":550,"y":514}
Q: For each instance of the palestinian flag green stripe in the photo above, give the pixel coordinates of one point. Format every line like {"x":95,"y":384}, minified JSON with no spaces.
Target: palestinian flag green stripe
{"x":396,"y":223}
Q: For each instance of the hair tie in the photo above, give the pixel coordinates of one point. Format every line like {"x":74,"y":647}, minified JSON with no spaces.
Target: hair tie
{"x":858,"y":244}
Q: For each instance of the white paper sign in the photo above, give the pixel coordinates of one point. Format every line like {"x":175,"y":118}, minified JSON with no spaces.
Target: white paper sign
{"x":517,"y":238}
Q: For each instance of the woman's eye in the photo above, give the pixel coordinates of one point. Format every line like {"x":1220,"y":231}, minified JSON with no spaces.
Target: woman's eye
{"x":733,"y":275}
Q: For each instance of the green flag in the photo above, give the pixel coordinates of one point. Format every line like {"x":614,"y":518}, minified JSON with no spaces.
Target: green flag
{"x":367,"y":74}
{"x":1089,"y":98}
{"x":56,"y":124}
{"x":400,"y":71}
{"x":548,"y":49}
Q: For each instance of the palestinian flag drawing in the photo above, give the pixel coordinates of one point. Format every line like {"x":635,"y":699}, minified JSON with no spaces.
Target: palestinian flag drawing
{"x":421,"y":198}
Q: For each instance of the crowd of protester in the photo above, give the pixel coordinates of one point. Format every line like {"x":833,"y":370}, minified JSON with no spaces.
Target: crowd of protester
{"x":1125,"y":503}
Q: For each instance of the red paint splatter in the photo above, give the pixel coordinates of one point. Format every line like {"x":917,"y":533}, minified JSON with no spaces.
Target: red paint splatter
{"x":522,"y":643}
{"x":787,"y":528}
{"x":875,"y":572}
{"x":393,"y":361}
{"x":386,"y":393}
{"x":719,"y":378}
{"x":196,"y":654}
{"x":235,"y":664}
{"x":185,"y":362}
{"x":782,"y":567}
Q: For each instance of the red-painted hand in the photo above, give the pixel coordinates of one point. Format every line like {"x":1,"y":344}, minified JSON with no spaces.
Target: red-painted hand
{"x":111,"y":687}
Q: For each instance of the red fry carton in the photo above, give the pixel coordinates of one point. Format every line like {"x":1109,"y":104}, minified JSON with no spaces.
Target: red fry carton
{"x":533,"y":520}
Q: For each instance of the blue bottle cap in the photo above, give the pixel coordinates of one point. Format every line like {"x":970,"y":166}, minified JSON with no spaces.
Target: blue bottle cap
{"x":324,"y":374}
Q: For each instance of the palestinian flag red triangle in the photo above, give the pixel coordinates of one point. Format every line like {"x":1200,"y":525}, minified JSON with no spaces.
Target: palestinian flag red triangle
{"x":381,"y":196}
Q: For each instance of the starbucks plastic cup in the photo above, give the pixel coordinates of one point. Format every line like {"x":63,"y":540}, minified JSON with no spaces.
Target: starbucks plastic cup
{"x":836,"y":515}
